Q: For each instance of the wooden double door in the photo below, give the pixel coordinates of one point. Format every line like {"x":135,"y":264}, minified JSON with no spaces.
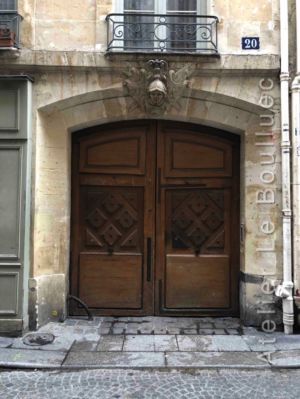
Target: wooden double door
{"x":155,"y":212}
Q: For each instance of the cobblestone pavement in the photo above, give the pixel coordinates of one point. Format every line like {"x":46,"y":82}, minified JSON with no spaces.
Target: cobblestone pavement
{"x":132,"y":384}
{"x":171,"y":325}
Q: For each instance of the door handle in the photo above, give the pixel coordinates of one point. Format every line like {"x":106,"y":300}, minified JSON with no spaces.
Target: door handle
{"x":159,"y":185}
{"x":149,"y":258}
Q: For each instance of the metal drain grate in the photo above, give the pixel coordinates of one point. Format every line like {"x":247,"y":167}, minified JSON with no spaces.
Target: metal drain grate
{"x":38,"y":339}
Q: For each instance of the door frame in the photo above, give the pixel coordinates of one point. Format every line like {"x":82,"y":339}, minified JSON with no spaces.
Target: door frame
{"x":235,"y":233}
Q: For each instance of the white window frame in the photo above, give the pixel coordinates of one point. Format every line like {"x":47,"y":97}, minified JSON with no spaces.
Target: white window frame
{"x":160,"y":6}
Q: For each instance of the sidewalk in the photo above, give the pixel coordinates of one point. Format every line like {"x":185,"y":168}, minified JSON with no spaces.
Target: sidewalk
{"x":155,"y":343}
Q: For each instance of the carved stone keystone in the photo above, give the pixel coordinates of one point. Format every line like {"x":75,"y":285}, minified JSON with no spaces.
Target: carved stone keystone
{"x":154,"y":88}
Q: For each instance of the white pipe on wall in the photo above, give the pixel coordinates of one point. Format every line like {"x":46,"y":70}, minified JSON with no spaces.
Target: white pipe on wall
{"x":285,"y":291}
{"x":298,"y":37}
{"x":296,"y":153}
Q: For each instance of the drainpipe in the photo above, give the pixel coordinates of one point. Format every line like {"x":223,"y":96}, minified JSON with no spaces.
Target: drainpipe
{"x":285,"y":290}
{"x":296,"y":154}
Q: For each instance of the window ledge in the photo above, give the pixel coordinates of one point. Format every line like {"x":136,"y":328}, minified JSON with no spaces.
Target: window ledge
{"x":139,"y":55}
{"x":9,"y":48}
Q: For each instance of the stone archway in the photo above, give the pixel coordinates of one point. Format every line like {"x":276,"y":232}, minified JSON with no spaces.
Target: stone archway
{"x":51,"y":231}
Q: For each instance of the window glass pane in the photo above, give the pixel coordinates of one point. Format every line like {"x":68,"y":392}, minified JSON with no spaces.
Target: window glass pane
{"x":8,"y":4}
{"x":182,"y":5}
{"x":182,"y":32}
{"x":138,"y":31}
{"x":141,"y":5}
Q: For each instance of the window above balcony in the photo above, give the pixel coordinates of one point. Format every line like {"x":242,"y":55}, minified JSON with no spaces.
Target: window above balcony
{"x":9,"y":25}
{"x":163,"y":26}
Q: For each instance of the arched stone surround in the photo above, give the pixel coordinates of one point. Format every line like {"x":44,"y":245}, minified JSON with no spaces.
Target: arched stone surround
{"x":51,"y":206}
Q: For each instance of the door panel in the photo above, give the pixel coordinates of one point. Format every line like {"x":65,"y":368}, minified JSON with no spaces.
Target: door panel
{"x":197,"y":271}
{"x":196,"y":221}
{"x":113,"y":219}
{"x":190,"y":155}
{"x":111,"y":281}
{"x":112,"y":226}
{"x":155,"y":220}
{"x":197,"y":210}
{"x":117,"y":153}
{"x":197,"y":282}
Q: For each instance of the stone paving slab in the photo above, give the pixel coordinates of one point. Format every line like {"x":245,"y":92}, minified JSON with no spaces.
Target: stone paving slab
{"x":216,"y":360}
{"x":260,"y":344}
{"x":114,"y":360}
{"x":165,"y":343}
{"x":191,"y":331}
{"x":218,"y":331}
{"x":30,"y":358}
{"x":5,"y":342}
{"x":96,"y":322}
{"x":272,"y":343}
{"x":196,"y":343}
{"x":287,"y":342}
{"x":72,"y":321}
{"x":286,"y":359}
{"x":232,"y":331}
{"x":230,"y":343}
{"x":111,"y":343}
{"x":139,"y":343}
{"x":85,"y":346}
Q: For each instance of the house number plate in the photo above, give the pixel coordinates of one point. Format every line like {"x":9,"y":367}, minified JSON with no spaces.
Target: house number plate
{"x":250,"y":43}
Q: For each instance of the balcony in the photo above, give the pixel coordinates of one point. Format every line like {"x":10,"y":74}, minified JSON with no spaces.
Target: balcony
{"x":158,"y":33}
{"x":9,"y":30}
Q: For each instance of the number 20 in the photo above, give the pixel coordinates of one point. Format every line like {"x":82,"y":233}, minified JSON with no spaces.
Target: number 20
{"x":251,"y":43}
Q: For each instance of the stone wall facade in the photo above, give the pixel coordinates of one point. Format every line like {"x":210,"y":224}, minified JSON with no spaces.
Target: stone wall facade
{"x":77,"y":85}
{"x":80,"y":26}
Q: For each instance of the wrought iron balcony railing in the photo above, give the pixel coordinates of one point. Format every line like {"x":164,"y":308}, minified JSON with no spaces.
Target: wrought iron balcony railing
{"x":9,"y":29}
{"x":171,"y":33}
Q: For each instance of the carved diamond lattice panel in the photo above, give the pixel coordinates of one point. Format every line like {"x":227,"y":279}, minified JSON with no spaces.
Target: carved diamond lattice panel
{"x":111,"y":235}
{"x":111,"y":203}
{"x":126,"y":220}
{"x":96,"y":218}
{"x":197,"y":220}
{"x":113,"y":219}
